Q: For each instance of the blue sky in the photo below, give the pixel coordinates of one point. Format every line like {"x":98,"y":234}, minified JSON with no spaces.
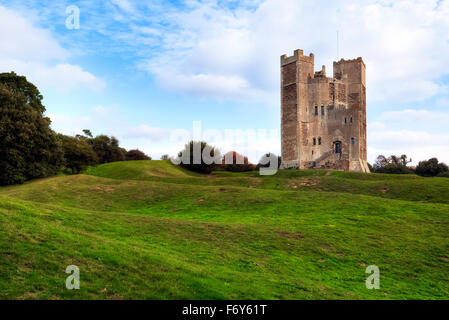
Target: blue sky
{"x":141,"y":70}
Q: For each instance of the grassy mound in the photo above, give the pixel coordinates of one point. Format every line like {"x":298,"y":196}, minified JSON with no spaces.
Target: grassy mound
{"x":150,"y":230}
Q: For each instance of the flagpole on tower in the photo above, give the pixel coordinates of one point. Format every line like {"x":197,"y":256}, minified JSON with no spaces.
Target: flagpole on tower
{"x":338,"y":46}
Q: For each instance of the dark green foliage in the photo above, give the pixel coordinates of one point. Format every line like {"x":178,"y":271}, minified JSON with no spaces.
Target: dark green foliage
{"x":393,"y":164}
{"x":235,"y":162}
{"x":443,"y":174}
{"x":78,"y":153}
{"x":88,"y":133}
{"x":136,"y":154}
{"x":186,"y":156}
{"x":20,"y":84}
{"x":266,"y":165}
{"x":432,"y":168}
{"x":84,"y":150}
{"x":107,"y":149}
{"x":28,"y":147}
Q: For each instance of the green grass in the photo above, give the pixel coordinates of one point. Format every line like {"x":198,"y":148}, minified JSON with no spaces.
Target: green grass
{"x":150,"y":230}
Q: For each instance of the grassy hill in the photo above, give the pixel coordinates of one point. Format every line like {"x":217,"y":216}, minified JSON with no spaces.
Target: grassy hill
{"x":150,"y":230}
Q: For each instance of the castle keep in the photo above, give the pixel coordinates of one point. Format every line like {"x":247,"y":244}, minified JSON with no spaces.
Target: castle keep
{"x":323,"y":121}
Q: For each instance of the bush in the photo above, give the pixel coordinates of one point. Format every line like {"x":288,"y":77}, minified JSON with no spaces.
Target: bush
{"x":393,"y":165}
{"x":78,"y":154}
{"x":136,"y":155}
{"x":443,"y":174}
{"x":431,"y":168}
{"x":199,"y":149}
{"x":235,"y":162}
{"x":28,"y":147}
{"x":267,"y":165}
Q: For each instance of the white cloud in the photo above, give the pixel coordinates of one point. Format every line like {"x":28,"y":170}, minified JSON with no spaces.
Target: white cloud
{"x":32,"y":51}
{"x":125,"y":5}
{"x":146,"y":132}
{"x":100,"y":110}
{"x":443,"y":102}
{"x":21,"y":40}
{"x":418,"y":133}
{"x":419,"y":145}
{"x":70,"y":125}
{"x":217,"y":85}
{"x":404,"y":44}
{"x":411,"y":117}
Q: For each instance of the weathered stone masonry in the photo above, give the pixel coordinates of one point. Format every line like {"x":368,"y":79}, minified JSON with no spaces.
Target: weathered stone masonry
{"x":323,"y":120}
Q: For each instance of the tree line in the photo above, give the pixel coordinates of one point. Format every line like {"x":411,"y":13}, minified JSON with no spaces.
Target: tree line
{"x":399,"y":165}
{"x":30,"y":149}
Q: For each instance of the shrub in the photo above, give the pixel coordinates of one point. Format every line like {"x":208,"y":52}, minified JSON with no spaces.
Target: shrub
{"x":136,"y":155}
{"x":235,"y":162}
{"x":199,"y":163}
{"x":443,"y":174}
{"x":78,"y":154}
{"x":28,"y":147}
{"x":431,"y":168}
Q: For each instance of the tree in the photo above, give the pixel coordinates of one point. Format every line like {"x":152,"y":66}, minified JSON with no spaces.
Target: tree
{"x":431,"y":168}
{"x":88,"y":133}
{"x":19,"y":84}
{"x":199,"y":157}
{"x":78,"y":153}
{"x":28,"y":147}
{"x":107,"y":149}
{"x":136,"y":155}
{"x":381,"y":161}
{"x":393,"y":164}
{"x":404,"y":160}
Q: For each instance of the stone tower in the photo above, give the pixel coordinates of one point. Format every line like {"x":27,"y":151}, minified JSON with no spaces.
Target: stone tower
{"x":323,"y":120}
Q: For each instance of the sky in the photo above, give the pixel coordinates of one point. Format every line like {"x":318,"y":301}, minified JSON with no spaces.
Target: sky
{"x":156,"y":73}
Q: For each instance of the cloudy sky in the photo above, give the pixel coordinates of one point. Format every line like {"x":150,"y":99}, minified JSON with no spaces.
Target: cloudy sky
{"x":143,"y":69}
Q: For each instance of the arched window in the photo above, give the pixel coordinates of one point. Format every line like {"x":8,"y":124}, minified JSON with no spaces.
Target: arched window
{"x":346,"y":121}
{"x":350,"y":120}
{"x":322,"y":110}
{"x":352,"y":141}
{"x":319,"y":141}
{"x":337,"y":147}
{"x":316,"y":110}
{"x":314,"y":141}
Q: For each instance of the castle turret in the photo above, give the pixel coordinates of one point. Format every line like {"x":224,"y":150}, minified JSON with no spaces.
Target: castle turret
{"x":295,"y":72}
